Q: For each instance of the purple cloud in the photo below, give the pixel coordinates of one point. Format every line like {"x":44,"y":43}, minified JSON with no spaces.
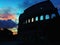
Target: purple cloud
{"x":7,"y":24}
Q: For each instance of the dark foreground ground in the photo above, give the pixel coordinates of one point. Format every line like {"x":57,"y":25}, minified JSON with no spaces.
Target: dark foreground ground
{"x":11,"y":43}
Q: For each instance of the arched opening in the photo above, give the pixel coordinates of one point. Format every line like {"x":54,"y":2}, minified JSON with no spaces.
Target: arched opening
{"x":32,"y":20}
{"x":28,"y":20}
{"x":41,"y":17}
{"x":47,"y":17}
{"x":53,"y":15}
{"x":36,"y":19}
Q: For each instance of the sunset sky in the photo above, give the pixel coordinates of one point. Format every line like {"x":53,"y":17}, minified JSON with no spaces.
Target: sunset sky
{"x":14,"y":8}
{"x":11,"y":9}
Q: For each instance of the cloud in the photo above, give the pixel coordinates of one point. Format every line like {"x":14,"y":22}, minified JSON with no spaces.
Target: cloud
{"x":8,"y":13}
{"x":7,"y":17}
{"x":7,"y":24}
{"x":8,"y":10}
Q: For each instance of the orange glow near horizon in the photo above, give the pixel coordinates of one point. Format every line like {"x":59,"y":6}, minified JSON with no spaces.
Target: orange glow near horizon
{"x":14,"y":30}
{"x":7,"y":17}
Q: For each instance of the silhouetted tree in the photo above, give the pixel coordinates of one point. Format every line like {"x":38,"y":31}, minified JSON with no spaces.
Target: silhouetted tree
{"x":6,"y":35}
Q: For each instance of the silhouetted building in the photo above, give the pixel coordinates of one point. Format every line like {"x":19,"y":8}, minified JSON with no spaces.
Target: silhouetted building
{"x":39,"y":24}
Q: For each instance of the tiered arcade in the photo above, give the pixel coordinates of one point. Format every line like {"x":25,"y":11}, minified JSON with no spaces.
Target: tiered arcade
{"x":38,"y":22}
